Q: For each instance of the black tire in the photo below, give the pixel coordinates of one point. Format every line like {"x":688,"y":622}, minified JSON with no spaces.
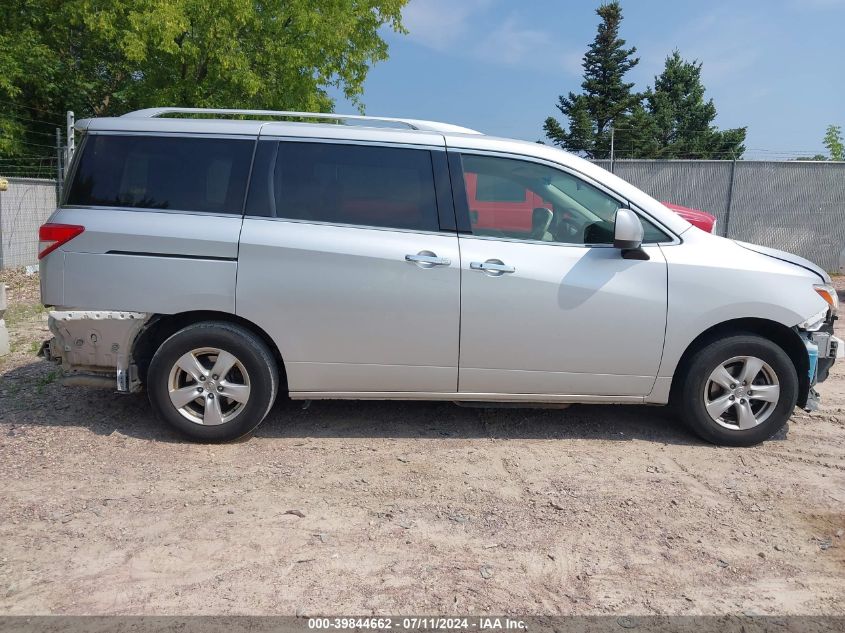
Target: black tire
{"x":258,"y":363}
{"x":689,"y":398}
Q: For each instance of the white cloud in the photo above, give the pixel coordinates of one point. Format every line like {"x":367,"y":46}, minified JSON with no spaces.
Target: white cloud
{"x":512,"y":44}
{"x":464,"y":28}
{"x":441,"y":24}
{"x":817,"y":4}
{"x":724,"y":41}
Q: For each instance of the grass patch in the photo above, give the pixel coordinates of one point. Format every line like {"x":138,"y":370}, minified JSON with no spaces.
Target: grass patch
{"x":47,"y":379}
{"x":20,"y":313}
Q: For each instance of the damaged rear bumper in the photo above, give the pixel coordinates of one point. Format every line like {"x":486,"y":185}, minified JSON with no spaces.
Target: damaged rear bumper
{"x":94,"y":347}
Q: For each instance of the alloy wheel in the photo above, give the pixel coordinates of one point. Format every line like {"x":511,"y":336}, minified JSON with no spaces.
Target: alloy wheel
{"x":741,"y":393}
{"x":209,"y":386}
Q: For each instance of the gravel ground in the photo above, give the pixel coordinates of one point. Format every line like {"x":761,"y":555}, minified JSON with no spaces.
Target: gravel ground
{"x":362,"y":507}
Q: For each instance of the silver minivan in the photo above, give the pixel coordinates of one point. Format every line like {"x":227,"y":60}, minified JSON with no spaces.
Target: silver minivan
{"x":217,"y":258}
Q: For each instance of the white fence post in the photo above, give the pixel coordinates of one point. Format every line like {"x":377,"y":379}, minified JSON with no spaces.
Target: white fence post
{"x":70,"y":148}
{"x":59,"y":171}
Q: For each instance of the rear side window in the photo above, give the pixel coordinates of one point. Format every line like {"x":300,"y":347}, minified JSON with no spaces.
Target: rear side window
{"x":177,"y":173}
{"x":346,"y":184}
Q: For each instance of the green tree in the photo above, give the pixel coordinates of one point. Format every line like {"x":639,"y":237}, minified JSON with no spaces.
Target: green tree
{"x":606,"y":100}
{"x":833,"y":142}
{"x":104,"y":57}
{"x":677,"y":121}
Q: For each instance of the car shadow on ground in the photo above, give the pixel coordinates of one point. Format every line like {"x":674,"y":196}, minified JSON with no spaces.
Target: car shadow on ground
{"x":32,"y":395}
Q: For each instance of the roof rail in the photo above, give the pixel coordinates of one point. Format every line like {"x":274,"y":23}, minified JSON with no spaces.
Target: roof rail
{"x":412,"y":124}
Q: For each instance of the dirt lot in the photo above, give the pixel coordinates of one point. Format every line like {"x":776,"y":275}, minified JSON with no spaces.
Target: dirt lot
{"x":406,"y":507}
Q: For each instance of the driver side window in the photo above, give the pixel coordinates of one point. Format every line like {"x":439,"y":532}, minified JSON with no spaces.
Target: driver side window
{"x":519,"y":199}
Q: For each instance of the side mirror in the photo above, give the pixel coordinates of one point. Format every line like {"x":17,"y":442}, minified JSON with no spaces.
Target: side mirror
{"x":627,"y":230}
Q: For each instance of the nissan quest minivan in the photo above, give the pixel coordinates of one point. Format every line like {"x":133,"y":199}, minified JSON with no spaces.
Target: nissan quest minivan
{"x":217,"y":258}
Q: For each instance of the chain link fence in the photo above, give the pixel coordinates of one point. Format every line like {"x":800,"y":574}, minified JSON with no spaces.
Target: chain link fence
{"x":24,"y":206}
{"x":794,"y":206}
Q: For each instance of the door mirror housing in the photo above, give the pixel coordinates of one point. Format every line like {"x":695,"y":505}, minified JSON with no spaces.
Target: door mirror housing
{"x":627,"y":230}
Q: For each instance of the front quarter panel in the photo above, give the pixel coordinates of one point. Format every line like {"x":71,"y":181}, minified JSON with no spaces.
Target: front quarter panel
{"x":713,"y":280}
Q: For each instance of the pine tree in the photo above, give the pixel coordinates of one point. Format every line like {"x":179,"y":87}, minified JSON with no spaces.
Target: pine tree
{"x":606,"y":100}
{"x":680,"y":120}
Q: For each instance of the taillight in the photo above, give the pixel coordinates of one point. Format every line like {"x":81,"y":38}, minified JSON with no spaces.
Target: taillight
{"x":51,"y":236}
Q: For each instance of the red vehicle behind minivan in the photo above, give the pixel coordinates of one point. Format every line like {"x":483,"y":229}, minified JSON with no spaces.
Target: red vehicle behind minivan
{"x":503,"y":204}
{"x":499,"y":203}
{"x":703,"y":220}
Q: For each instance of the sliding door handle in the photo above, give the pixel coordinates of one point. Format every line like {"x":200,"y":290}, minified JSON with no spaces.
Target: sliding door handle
{"x":427,"y":259}
{"x":494,"y":267}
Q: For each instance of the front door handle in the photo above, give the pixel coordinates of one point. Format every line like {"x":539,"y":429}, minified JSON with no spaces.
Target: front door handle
{"x":427,"y":259}
{"x":493,"y":267}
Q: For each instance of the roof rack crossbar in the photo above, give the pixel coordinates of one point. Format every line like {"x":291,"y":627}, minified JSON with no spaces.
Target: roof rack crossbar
{"x":412,"y":124}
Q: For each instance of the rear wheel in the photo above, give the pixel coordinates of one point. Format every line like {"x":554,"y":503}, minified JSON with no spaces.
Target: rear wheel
{"x":738,"y":391}
{"x":214,"y":381}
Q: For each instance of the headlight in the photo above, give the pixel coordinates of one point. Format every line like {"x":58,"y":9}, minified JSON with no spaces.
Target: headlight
{"x":828,"y":293}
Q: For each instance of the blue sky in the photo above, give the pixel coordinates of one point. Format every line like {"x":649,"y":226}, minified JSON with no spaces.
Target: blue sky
{"x":499,"y":65}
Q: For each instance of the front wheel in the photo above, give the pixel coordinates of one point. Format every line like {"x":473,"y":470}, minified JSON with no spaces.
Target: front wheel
{"x":738,"y":391}
{"x":214,"y":381}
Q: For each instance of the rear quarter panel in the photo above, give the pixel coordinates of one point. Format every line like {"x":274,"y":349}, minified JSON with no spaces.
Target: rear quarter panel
{"x":146,"y":261}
